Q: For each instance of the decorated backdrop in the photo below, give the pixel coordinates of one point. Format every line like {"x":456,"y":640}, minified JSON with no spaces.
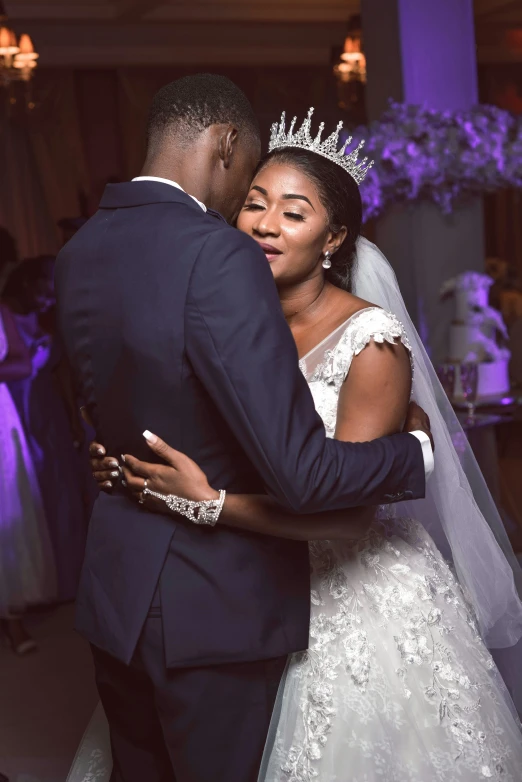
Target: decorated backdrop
{"x":443,"y":157}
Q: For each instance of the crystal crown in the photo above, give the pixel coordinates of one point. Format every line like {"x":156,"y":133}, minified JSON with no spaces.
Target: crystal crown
{"x":279,"y":139}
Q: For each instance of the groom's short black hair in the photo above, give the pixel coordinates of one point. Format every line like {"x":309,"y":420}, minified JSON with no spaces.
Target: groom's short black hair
{"x":191,"y":104}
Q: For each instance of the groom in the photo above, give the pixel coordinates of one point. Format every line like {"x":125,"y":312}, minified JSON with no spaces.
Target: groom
{"x":172,"y":323}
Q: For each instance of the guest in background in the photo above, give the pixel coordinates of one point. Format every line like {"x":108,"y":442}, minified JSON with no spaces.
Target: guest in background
{"x":69,"y":226}
{"x":46,"y":405}
{"x":8,"y":255}
{"x":27,"y":573}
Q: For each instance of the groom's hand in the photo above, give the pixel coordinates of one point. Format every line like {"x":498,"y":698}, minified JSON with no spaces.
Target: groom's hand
{"x":105,"y":469}
{"x":418,"y":421}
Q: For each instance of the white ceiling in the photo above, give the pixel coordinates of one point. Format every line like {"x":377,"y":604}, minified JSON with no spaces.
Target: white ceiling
{"x":184,"y":10}
{"x":213,"y":10}
{"x":127,"y":32}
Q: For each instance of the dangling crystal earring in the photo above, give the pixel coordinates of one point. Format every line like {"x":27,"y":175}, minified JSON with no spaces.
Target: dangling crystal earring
{"x":327,"y":262}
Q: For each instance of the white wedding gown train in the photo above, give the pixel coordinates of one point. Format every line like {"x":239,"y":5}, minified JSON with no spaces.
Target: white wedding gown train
{"x":397,"y":685}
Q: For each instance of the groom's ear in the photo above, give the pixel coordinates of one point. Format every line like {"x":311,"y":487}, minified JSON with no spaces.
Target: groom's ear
{"x":227,"y":144}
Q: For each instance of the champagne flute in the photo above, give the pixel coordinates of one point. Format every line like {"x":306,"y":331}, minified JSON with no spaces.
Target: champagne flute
{"x":469,"y":385}
{"x":447,"y":375}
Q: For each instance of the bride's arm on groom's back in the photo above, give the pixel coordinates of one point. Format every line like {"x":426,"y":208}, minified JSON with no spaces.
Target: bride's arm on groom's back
{"x":179,"y":475}
{"x":373,"y":402}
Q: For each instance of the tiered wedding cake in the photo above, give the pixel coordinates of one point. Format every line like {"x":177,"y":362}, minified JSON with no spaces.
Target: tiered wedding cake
{"x":476,"y":332}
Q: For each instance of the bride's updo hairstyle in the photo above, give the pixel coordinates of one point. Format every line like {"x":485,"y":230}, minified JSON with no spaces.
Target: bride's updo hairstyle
{"x":340,"y":196}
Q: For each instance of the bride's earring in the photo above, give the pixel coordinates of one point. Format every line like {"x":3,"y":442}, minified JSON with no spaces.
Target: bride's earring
{"x":327,"y":262}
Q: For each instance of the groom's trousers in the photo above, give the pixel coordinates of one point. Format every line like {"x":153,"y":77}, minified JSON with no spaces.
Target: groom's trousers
{"x":204,"y":724}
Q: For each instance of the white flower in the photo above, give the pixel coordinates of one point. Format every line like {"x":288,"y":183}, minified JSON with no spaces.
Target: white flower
{"x":315,"y":750}
{"x":369,"y":559}
{"x":320,"y":692}
{"x":434,"y":616}
{"x":399,"y":569}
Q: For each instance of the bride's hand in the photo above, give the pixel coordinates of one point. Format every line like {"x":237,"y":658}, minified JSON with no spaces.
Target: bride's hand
{"x":180,"y":476}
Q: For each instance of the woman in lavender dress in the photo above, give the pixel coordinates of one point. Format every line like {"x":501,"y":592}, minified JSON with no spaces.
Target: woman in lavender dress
{"x":27,"y":574}
{"x":52,"y":433}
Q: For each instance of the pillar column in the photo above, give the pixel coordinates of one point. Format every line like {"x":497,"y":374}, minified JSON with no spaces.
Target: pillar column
{"x":424,"y":52}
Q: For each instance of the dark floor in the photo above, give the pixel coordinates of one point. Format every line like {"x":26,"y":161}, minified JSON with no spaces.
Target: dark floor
{"x":46,"y":700}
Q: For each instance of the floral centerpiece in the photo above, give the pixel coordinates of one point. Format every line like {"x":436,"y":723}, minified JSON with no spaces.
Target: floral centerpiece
{"x":444,"y":157}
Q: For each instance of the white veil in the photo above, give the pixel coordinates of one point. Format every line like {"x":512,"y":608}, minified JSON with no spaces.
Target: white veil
{"x":458,"y":512}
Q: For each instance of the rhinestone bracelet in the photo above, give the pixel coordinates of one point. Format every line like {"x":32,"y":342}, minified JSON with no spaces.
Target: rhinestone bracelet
{"x":204,"y":512}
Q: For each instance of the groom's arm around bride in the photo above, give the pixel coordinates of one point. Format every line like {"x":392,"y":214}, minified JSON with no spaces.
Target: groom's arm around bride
{"x":241,"y":349}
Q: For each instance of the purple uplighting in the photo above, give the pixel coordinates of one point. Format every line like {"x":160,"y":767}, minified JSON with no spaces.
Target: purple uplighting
{"x":441,"y":156}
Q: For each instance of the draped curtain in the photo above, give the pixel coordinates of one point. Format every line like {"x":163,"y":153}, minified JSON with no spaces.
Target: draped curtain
{"x":88,"y":128}
{"x":42,"y":163}
{"x":504,"y":228}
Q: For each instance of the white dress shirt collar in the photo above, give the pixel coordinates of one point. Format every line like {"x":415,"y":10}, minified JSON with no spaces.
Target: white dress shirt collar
{"x":168,"y":182}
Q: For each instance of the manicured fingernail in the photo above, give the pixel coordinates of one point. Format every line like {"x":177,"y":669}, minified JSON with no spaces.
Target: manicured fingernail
{"x":115,"y":474}
{"x":150,"y":438}
{"x":100,"y":451}
{"x":124,"y":483}
{"x":108,"y":485}
{"x":114,"y":464}
{"x":122,"y":458}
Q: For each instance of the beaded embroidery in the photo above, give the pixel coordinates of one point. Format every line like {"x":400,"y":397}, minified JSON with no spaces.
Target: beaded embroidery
{"x":395,"y":583}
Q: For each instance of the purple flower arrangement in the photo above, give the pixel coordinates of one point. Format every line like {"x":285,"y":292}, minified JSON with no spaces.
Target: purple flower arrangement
{"x":439,"y":156}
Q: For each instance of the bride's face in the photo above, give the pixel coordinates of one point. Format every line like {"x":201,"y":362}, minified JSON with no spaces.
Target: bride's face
{"x":284,"y":215}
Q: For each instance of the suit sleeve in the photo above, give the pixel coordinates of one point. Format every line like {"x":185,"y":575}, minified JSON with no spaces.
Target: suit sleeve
{"x":243,"y":352}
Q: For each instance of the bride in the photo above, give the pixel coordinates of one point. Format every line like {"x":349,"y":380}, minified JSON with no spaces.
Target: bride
{"x":398,"y":683}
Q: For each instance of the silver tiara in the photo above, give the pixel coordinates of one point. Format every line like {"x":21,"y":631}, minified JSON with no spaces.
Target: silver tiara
{"x":328,"y":149}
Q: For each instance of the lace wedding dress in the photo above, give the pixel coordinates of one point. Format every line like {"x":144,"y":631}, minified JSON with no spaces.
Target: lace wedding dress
{"x":397,"y":684}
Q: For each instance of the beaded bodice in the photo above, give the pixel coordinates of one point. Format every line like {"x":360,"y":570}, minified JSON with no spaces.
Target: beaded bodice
{"x":394,"y":650}
{"x":326,"y":366}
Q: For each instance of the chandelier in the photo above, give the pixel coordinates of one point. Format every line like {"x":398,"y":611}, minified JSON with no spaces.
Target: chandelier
{"x":17,"y":56}
{"x":350,"y":72}
{"x":352,"y":63}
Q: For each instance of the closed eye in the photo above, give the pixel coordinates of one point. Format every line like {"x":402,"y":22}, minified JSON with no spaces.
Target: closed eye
{"x":294,"y":216}
{"x":253,"y":207}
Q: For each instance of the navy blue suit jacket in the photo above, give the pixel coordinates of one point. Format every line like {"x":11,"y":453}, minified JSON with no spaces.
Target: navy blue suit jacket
{"x":172,"y":323}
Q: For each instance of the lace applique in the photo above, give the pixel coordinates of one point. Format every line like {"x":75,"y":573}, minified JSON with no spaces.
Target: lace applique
{"x":392,"y":642}
{"x":370,"y":324}
{"x":327,"y":378}
{"x":400,"y":580}
{"x":97,"y":766}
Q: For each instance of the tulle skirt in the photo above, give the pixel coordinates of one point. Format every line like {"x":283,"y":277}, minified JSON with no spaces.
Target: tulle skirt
{"x":397,"y":684}
{"x":27,"y":570}
{"x":93,"y":759}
